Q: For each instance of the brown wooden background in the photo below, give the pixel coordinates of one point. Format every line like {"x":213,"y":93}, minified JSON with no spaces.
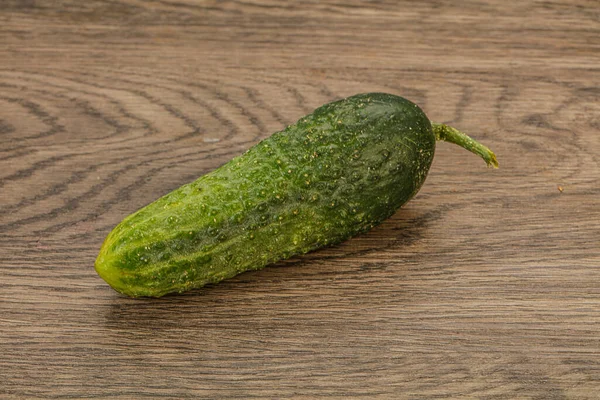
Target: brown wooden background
{"x":486,"y":285}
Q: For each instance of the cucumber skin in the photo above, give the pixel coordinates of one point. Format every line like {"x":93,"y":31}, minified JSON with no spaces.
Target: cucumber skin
{"x":335,"y":173}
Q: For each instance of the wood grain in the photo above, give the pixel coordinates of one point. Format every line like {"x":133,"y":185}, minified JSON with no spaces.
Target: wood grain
{"x":486,"y":285}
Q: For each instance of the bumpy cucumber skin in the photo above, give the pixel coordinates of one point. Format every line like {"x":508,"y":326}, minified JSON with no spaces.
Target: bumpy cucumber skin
{"x":335,"y":173}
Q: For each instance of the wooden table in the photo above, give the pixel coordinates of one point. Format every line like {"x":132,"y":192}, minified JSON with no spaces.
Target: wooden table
{"x":486,"y":285}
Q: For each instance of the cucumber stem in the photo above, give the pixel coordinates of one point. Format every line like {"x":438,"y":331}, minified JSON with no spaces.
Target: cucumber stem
{"x":452,"y":135}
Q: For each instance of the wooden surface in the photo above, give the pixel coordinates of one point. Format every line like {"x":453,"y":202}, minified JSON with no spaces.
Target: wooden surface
{"x":486,"y":285}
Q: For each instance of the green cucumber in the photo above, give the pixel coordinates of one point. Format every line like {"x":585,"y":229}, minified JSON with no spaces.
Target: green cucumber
{"x":335,"y":173}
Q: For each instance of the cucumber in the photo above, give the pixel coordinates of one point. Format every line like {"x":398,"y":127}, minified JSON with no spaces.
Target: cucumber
{"x":335,"y":173}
